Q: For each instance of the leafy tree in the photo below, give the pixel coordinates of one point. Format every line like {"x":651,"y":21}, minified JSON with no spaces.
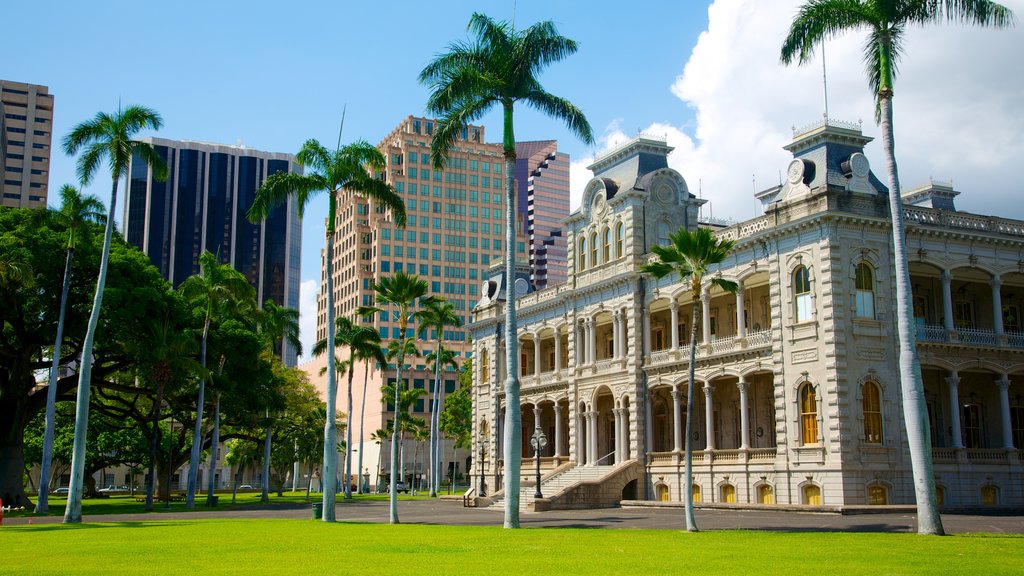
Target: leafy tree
{"x":437,"y":316}
{"x":105,"y":136}
{"x":457,"y":418}
{"x":500,"y":68}
{"x":349,"y":167}
{"x":691,"y":255}
{"x":76,"y":211}
{"x":886,"y":22}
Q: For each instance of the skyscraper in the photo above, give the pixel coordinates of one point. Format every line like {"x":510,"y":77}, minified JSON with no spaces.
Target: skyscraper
{"x":542,"y":180}
{"x":26,"y":130}
{"x":454,"y":234}
{"x":202,"y":206}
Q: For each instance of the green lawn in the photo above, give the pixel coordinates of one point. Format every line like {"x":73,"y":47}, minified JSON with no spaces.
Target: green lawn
{"x":126,"y":504}
{"x":307,"y":547}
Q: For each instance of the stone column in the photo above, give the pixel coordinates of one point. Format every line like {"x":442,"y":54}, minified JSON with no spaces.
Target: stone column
{"x":558,"y":351}
{"x":743,"y":385}
{"x":741,"y":329}
{"x":675,"y":324}
{"x":677,"y":420}
{"x":617,"y":414}
{"x":647,"y":331}
{"x":558,"y":430}
{"x":705,"y":300}
{"x":592,"y":438}
{"x":1004,"y":409}
{"x":581,"y":433}
{"x":536,"y":355}
{"x":624,"y":330}
{"x":592,"y":340}
{"x":616,"y":333}
{"x":997,"y":305}
{"x":947,"y":300}
{"x":952,"y":385}
{"x":709,"y":415}
{"x":536,"y":419}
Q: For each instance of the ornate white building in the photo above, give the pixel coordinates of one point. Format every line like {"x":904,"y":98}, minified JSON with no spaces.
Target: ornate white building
{"x":798,"y":398}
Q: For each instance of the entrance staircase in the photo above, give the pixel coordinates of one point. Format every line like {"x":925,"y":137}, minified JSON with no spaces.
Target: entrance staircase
{"x":576,"y":487}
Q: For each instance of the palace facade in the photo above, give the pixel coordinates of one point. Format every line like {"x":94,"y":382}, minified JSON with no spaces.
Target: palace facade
{"x":797,"y":379}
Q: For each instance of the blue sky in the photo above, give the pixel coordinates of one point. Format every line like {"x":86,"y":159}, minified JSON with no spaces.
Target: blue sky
{"x":704,"y":74}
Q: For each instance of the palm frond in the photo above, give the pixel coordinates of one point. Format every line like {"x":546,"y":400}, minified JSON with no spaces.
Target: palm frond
{"x":819,"y":20}
{"x":280,"y":186}
{"x":561,"y":109}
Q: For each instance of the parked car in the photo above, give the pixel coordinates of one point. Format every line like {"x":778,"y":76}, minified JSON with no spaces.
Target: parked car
{"x":113,"y":488}
{"x":62,"y":490}
{"x":246,"y":487}
{"x":400,"y":487}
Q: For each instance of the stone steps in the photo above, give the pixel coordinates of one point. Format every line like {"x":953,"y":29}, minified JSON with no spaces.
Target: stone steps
{"x":557,"y":484}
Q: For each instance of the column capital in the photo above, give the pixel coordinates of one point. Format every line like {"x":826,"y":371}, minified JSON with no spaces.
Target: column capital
{"x":996,"y":281}
{"x":946,"y":276}
{"x":1003,"y":382}
{"x":705,"y":294}
{"x":739,"y":286}
{"x":953,"y":380}
{"x":676,"y":394}
{"x":709,"y":389}
{"x":742,"y":385}
{"x":674,"y":304}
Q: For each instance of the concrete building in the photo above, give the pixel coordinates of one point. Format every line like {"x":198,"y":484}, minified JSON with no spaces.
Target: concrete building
{"x":798,"y":389}
{"x":202,"y":206}
{"x":26,"y":132}
{"x":542,"y":182}
{"x":455,"y":232}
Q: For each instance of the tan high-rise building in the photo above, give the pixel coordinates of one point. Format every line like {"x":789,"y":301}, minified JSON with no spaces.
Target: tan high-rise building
{"x":26,"y":131}
{"x":455,"y":232}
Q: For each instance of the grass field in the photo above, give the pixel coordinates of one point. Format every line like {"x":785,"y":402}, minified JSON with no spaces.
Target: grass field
{"x":308,"y":547}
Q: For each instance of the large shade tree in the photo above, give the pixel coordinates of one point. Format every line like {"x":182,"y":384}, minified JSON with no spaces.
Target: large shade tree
{"x":106,"y":136}
{"x":348,"y":168}
{"x":692,"y":256}
{"x":399,"y":293}
{"x":886,"y":22}
{"x":500,"y":67}
{"x":76,"y":211}
{"x":438,"y":315}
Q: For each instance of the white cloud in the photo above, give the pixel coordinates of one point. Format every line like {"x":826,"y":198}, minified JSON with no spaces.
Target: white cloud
{"x":308,"y":291}
{"x":956,"y":105}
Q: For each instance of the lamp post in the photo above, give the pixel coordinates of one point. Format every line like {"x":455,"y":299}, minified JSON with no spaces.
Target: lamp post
{"x":482,"y":489}
{"x":538,"y":441}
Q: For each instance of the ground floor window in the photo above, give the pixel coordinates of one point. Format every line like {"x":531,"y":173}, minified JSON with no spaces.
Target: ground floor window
{"x":765,"y":494}
{"x":695,"y":491}
{"x":940,"y":496}
{"x":812,"y":495}
{"x":663,"y":493}
{"x":989,"y":495}
{"x":728,"y":493}
{"x":877,"y":495}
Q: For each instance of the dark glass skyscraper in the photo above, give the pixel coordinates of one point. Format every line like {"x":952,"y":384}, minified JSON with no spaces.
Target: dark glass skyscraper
{"x":542,"y":178}
{"x":202,"y":206}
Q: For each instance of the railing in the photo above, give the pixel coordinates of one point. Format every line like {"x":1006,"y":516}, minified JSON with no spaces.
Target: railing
{"x":762,"y":454}
{"x":935,"y":217}
{"x":602,"y":459}
{"x":1015,"y":339}
{"x":726,"y":455}
{"x":944,"y":454}
{"x":932,"y":333}
{"x":976,"y":336}
{"x":606,"y":364}
{"x":744,"y":229}
{"x":719,"y":345}
{"x":761,"y":338}
{"x":986,"y":455}
{"x":661,"y":356}
{"x":661,"y":457}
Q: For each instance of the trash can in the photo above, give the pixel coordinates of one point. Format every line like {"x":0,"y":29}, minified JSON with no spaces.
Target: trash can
{"x":317,"y":510}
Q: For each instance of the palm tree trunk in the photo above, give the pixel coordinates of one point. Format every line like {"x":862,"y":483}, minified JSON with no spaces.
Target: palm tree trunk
{"x":691,"y":520}
{"x":362,"y":418}
{"x":42,"y":503}
{"x":211,"y":484}
{"x":393,"y":497}
{"x":432,"y":467}
{"x":197,"y":434}
{"x":348,"y":429}
{"x":330,"y":426}
{"x":73,"y":512}
{"x":154,"y":441}
{"x":513,"y":411}
{"x":915,"y":412}
{"x":265,"y":497}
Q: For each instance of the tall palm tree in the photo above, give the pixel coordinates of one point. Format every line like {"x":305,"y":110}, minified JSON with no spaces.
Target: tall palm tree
{"x":500,"y":68}
{"x":218,"y":290}
{"x":691,"y":255}
{"x":75,"y":213}
{"x":437,"y":316}
{"x":407,"y":423}
{"x":886,"y":22}
{"x":400,"y":291}
{"x":350,"y":335}
{"x":106,"y":136}
{"x":349,"y":167}
{"x":439,"y":359}
{"x":369,"y":352}
{"x":276,"y":324}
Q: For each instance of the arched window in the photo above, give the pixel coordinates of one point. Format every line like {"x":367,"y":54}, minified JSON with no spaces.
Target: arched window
{"x":808,"y":415}
{"x":695,"y":492}
{"x":620,"y":239}
{"x":593,"y":249}
{"x":865,"y":286}
{"x":812,"y":495}
{"x":485,"y":366}
{"x":802,"y":293}
{"x":728,"y":493}
{"x":663,"y":494}
{"x":940,"y":495}
{"x":871,"y":401}
{"x":765,"y":494}
{"x":583,"y":254}
{"x":989,"y":495}
{"x":877,"y":495}
{"x":606,"y":245}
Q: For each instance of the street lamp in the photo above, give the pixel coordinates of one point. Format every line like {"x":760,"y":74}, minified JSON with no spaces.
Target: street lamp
{"x":483,"y":453}
{"x":538,"y":441}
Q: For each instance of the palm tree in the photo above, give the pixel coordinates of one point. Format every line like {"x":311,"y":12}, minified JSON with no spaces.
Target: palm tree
{"x":439,"y":359}
{"x":407,"y":423}
{"x":691,"y":255}
{"x":354,"y":337}
{"x":369,"y":352}
{"x":437,"y":316}
{"x":349,"y":167}
{"x":75,"y":213}
{"x":500,"y":68}
{"x":400,"y":291}
{"x":105,"y":136}
{"x":886,"y":21}
{"x":219,"y":290}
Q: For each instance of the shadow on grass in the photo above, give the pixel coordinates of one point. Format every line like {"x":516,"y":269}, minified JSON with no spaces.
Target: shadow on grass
{"x":100,"y":525}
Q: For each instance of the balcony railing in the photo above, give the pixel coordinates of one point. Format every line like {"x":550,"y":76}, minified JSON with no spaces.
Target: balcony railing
{"x":761,"y":338}
{"x":977,"y":337}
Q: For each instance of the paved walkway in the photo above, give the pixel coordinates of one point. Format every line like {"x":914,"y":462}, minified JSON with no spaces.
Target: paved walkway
{"x":452,"y":512}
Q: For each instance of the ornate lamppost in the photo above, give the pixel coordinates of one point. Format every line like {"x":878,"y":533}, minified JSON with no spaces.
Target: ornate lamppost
{"x":538,"y":441}
{"x":483,"y":454}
